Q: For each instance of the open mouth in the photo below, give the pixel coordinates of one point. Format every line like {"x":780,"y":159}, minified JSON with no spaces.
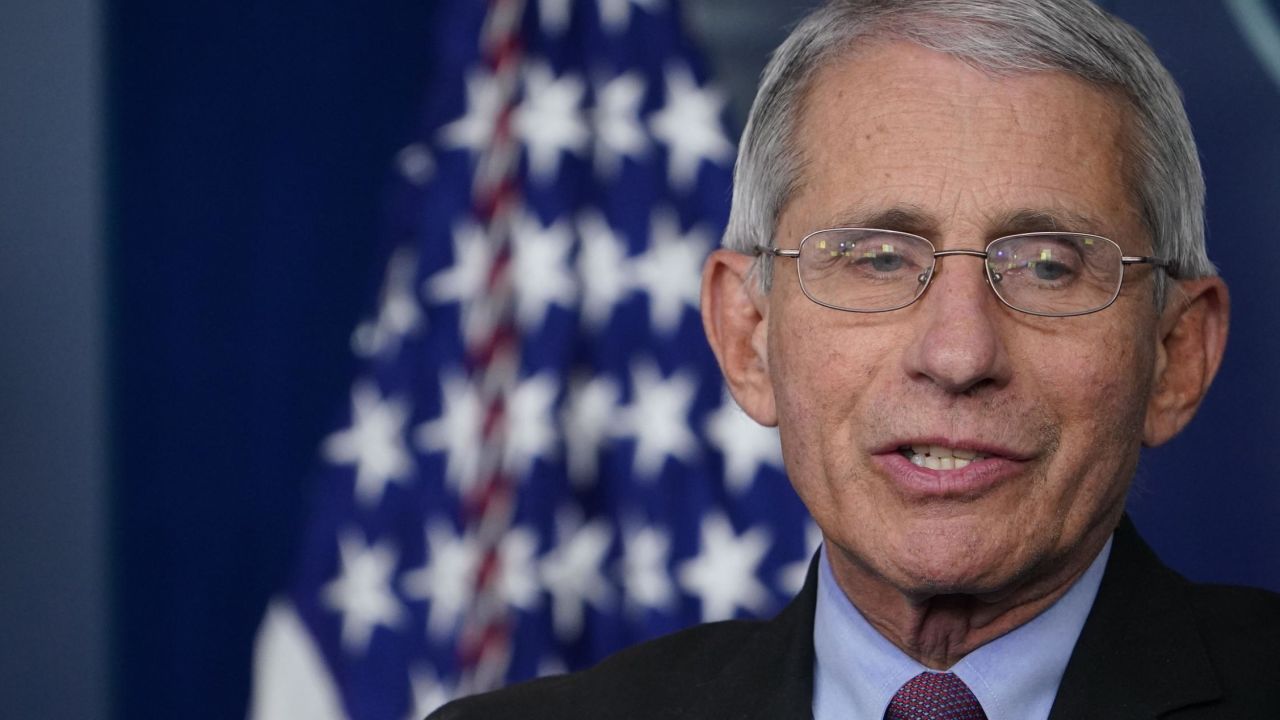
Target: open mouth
{"x":937,"y":457}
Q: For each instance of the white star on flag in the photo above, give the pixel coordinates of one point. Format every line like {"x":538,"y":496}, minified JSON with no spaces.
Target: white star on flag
{"x":475,"y":129}
{"x":517,"y":579}
{"x":644,"y":570}
{"x":549,"y":120}
{"x":398,"y":312}
{"x":456,"y":432}
{"x":588,"y":412}
{"x":374,"y":443}
{"x":658,"y":419}
{"x":571,"y":573}
{"x":689,"y":125}
{"x":362,"y":592}
{"x":553,"y":15}
{"x":723,"y":573}
{"x":428,"y":692}
{"x":540,"y":269}
{"x":745,"y":444}
{"x":602,"y":263}
{"x":616,"y":118}
{"x":466,"y":281}
{"x":615,"y":15}
{"x":670,"y":271}
{"x":531,"y":427}
{"x":446,"y":579}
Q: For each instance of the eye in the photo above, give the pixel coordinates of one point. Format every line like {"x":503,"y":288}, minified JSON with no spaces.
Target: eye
{"x":1048,"y":262}
{"x":885,"y":259}
{"x":1049,"y":270}
{"x":882,"y":262}
{"x":862,"y":258}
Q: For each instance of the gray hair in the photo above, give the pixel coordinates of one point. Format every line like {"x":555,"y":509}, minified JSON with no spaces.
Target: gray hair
{"x":999,"y":36}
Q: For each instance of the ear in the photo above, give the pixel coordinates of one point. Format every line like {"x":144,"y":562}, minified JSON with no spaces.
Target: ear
{"x":734,"y":315}
{"x":1193,"y":335}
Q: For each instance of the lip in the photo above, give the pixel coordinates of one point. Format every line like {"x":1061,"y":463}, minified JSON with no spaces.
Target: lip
{"x":975,"y":479}
{"x":981,"y":446}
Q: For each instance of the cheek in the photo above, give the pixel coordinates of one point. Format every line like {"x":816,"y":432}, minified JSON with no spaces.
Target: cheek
{"x":797,"y":365}
{"x":803,"y":390}
{"x":1087,"y":371}
{"x":824,"y":374}
{"x":821,"y":366}
{"x":1098,"y":390}
{"x":1118,"y":378}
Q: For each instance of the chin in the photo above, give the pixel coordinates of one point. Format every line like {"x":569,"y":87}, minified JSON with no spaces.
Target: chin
{"x":955,"y":561}
{"x":932,"y":582}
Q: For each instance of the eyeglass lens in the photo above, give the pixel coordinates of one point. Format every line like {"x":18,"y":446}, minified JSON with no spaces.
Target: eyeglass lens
{"x":868,"y":270}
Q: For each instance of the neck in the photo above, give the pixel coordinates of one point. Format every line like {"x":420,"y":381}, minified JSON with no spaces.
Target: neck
{"x":937,"y":630}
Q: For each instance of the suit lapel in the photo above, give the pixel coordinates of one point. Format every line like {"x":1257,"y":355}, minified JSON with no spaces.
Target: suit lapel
{"x":1139,"y":654}
{"x":771,"y":676}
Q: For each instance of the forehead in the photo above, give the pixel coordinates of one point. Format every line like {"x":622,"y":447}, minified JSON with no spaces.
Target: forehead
{"x":899,"y":127}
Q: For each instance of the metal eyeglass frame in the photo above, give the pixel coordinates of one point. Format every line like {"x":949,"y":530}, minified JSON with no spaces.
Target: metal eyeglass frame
{"x":1125,"y":260}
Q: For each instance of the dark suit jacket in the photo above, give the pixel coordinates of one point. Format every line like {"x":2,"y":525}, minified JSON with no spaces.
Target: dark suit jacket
{"x":1154,"y":646}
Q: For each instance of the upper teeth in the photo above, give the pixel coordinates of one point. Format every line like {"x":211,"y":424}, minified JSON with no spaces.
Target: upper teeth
{"x":937,"y":457}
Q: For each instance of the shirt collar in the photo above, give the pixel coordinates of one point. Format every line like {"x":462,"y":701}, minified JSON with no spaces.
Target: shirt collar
{"x":1014,"y":676}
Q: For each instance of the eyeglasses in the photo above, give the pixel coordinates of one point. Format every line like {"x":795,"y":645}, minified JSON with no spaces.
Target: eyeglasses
{"x":1054,"y":274}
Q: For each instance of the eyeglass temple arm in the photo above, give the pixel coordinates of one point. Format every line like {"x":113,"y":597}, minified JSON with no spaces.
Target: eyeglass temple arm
{"x":775,"y":252}
{"x":1145,"y":260}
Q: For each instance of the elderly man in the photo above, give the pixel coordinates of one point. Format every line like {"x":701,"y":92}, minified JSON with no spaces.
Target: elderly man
{"x":965,"y":276}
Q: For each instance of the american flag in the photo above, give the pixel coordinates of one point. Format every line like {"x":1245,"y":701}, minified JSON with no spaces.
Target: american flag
{"x":539,"y":465}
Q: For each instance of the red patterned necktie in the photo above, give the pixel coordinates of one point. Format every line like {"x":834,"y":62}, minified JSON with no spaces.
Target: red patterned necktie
{"x":934,"y":696}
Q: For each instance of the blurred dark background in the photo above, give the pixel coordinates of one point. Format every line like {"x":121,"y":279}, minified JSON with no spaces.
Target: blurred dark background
{"x":190,"y":205}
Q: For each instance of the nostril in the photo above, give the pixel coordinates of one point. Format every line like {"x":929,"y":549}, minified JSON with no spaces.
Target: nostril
{"x":978,"y":387}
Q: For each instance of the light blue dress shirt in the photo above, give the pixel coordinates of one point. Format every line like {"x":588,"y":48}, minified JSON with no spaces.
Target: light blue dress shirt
{"x":1015,"y":676}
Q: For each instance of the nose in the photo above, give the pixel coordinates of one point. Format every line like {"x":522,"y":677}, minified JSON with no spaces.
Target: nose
{"x":957,"y":339}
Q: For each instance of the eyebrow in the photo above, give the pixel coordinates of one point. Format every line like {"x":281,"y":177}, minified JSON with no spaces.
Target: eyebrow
{"x":1059,"y":219}
{"x":914,"y":219}
{"x":903,"y":218}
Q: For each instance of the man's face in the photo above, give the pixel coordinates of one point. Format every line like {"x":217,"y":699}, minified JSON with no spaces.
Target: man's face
{"x":907,"y":139}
